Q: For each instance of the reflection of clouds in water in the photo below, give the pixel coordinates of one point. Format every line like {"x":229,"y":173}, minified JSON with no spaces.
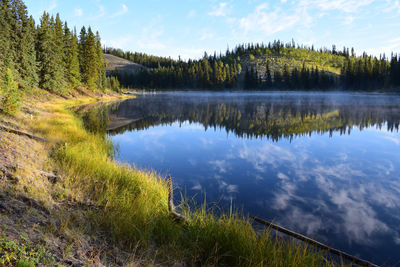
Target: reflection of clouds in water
{"x":282,"y":176}
{"x":227,"y":190}
{"x":286,"y":195}
{"x":259,"y":177}
{"x":387,"y":197}
{"x":359,"y":218}
{"x":354,"y":201}
{"x":383,"y":168}
{"x":306,"y":222}
{"x":397,"y":239}
{"x":387,"y":135}
{"x":197,"y":187}
{"x":395,"y":185}
{"x":343,"y":156}
{"x":192,"y":162}
{"x":360,"y":221}
{"x":396,"y":141}
{"x":152,"y":132}
{"x":206,"y":141}
{"x":124,"y":139}
{"x":260,"y":156}
{"x":153,"y":142}
{"x":219,"y":165}
{"x":340,"y":171}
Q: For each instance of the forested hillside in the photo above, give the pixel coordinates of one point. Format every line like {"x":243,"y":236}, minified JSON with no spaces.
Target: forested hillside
{"x":48,"y":55}
{"x":113,"y":63}
{"x":266,"y":66}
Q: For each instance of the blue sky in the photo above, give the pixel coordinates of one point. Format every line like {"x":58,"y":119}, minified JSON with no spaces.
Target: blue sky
{"x":188,"y":28}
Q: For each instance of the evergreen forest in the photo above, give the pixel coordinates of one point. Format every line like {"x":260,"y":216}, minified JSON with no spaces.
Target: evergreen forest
{"x":274,"y":65}
{"x":48,"y":54}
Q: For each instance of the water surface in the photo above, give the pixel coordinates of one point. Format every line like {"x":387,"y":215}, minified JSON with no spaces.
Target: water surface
{"x":326,"y":165}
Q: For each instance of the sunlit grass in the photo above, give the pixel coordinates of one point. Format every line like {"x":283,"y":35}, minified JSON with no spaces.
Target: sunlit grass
{"x":134,"y":210}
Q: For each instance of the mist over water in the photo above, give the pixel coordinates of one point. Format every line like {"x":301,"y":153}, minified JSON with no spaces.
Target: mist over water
{"x":326,"y":165}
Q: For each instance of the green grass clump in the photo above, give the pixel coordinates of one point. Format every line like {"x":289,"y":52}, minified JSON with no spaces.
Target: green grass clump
{"x":134,"y":210}
{"x":23,"y":254}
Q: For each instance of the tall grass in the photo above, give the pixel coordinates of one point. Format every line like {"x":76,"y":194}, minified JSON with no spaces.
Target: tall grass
{"x":134,"y":209}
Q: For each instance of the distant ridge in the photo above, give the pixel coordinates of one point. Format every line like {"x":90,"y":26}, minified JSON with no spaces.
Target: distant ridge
{"x":123,"y":65}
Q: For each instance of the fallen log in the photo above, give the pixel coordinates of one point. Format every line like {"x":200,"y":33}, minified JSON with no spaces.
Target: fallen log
{"x":171,"y":207}
{"x":4,"y":128}
{"x":313,"y":242}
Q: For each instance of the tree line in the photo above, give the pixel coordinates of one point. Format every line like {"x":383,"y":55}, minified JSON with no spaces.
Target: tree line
{"x":48,"y":55}
{"x":369,"y":72}
{"x":228,"y":70}
{"x":208,"y":72}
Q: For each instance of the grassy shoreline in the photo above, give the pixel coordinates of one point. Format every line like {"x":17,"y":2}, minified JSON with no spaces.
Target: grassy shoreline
{"x":132,"y":205}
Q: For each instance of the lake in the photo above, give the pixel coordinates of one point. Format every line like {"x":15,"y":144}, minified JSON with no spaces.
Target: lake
{"x":326,"y":165}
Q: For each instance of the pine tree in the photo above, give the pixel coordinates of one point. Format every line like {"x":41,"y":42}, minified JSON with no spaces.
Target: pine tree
{"x":25,"y":60}
{"x":6,"y":53}
{"x":82,"y":54}
{"x":51,"y":73}
{"x":101,"y":83}
{"x":91,"y":71}
{"x":72,"y":73}
{"x":59,"y":50}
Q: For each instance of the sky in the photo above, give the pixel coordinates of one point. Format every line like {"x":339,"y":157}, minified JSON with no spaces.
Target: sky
{"x":191,"y":27}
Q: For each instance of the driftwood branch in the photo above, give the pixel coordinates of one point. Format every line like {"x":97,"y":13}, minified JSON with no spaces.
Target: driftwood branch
{"x":4,"y":128}
{"x":341,"y":254}
{"x":171,"y":207}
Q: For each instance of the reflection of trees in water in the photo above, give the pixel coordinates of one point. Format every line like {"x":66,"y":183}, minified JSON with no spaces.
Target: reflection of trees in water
{"x":274,"y":118}
{"x":96,"y":116}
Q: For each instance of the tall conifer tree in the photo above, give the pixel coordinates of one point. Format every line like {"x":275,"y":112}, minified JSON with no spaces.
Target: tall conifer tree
{"x":72,"y":74}
{"x":51,"y":71}
{"x":25,"y":58}
{"x":101,"y":83}
{"x":6,"y":53}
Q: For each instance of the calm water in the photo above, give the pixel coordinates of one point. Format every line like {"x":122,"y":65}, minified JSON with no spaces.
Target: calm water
{"x":326,"y":165}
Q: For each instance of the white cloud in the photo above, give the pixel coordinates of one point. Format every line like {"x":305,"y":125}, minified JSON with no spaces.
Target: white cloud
{"x":220,"y":11}
{"x":78,"y":12}
{"x":387,"y":47}
{"x":348,"y":6}
{"x":274,"y":21}
{"x":396,"y":5}
{"x":124,"y":10}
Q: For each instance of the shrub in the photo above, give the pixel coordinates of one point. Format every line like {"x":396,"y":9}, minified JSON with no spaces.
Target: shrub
{"x":11,"y":101}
